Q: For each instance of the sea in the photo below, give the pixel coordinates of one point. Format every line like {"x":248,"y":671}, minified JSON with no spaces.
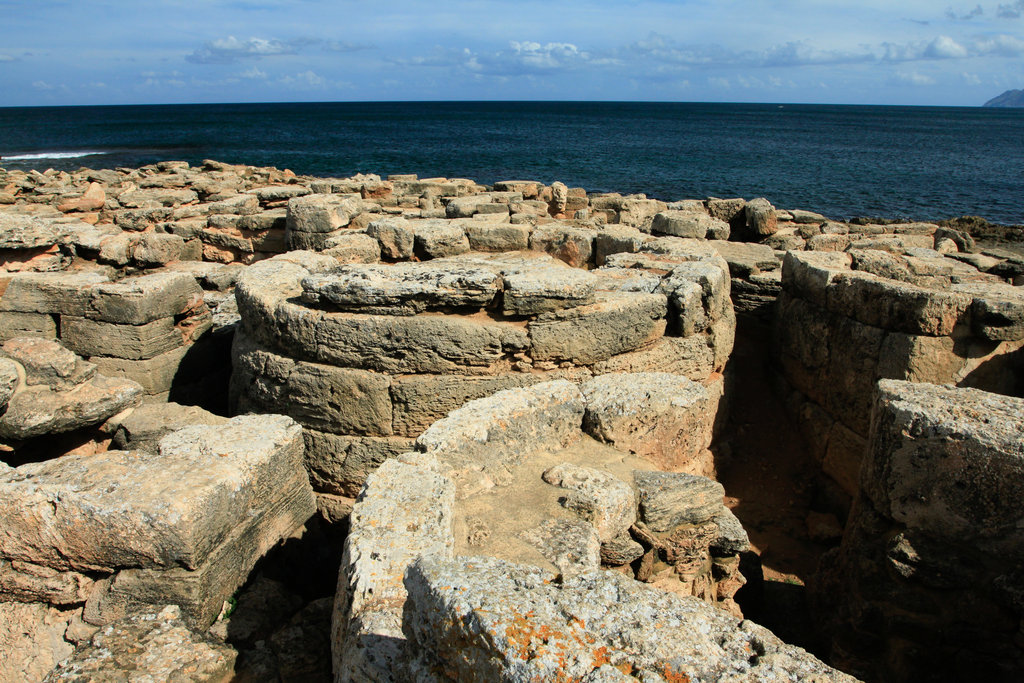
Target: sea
{"x":920,"y":163}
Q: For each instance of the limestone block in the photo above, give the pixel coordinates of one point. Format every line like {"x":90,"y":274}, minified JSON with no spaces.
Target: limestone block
{"x":621,"y":550}
{"x":746,"y":259}
{"x":278,"y":193}
{"x":210,"y":276}
{"x":843,"y":457}
{"x":396,"y":237}
{"x":367,"y":636}
{"x":296,"y":240}
{"x":56,"y":293}
{"x":157,"y":374}
{"x":128,"y":509}
{"x":498,"y":237}
{"x":132,"y":342}
{"x":47,"y":362}
{"x":341,"y":400}
{"x":997,"y":311}
{"x":421,"y":400}
{"x":626,"y":279}
{"x":439,"y":238}
{"x":808,"y":274}
{"x":575,"y":246}
{"x":340,"y":464}
{"x":32,"y":637}
{"x":663,"y":418}
{"x":828,"y":242}
{"x":353,"y":247}
{"x":156,"y":249}
{"x":949,"y":462}
{"x":616,"y":239}
{"x":572,"y":546}
{"x":670,"y":499}
{"x":240,"y":205}
{"x":615,"y":323}
{"x":693,"y":357}
{"x":322,"y":213}
{"x":143,"y":299}
{"x":10,"y":376}
{"x":400,"y":344}
{"x":152,"y":197}
{"x":479,"y":442}
{"x":688,"y":224}
{"x":150,"y":422}
{"x":403,"y":288}
{"x":761,"y":217}
{"x":553,"y":287}
{"x":27,"y":582}
{"x":487,"y":619}
{"x":698,"y":295}
{"x":607,"y":503}
{"x":14,"y":324}
{"x":154,"y":645}
{"x":39,"y":410}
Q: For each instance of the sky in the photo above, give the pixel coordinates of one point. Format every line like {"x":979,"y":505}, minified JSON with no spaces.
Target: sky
{"x":914,"y":52}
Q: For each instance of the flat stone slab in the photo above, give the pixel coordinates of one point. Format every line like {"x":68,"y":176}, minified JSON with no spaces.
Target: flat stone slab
{"x":403,"y":288}
{"x":485,"y":619}
{"x":132,"y":509}
{"x":38,"y":410}
{"x":668,"y":499}
{"x":537,"y":290}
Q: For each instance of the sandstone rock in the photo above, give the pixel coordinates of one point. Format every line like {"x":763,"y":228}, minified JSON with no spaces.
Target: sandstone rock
{"x":591,"y":627}
{"x":134,"y":342}
{"x":321,"y":213}
{"x":803,"y":217}
{"x":340,"y":464}
{"x":746,"y":259}
{"x":575,"y":246}
{"x":152,"y":646}
{"x":39,"y":410}
{"x":498,"y":237}
{"x":689,"y":224}
{"x":150,"y":422}
{"x":32,"y":637}
{"x":352,"y":248}
{"x":537,"y":290}
{"x":438,"y":238}
{"x":38,"y":325}
{"x":156,"y":249}
{"x":366,"y":630}
{"x":48,"y":363}
{"x":621,"y":550}
{"x":51,"y":293}
{"x":614,"y":323}
{"x":761,"y":217}
{"x":151,"y":510}
{"x":92,"y":199}
{"x":154,"y":197}
{"x":403,"y":288}
{"x":663,"y":418}
{"x":609,"y":504}
{"x":9,"y":378}
{"x":485,"y":437}
{"x":143,"y":299}
{"x":396,"y":237}
{"x":669,"y":499}
{"x":572,"y":546}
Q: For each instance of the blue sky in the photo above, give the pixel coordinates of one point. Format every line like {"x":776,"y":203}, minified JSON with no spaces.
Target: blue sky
{"x":168,"y":51}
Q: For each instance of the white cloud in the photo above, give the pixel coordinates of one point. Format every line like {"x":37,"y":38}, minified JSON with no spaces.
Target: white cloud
{"x":1010,"y":11}
{"x":6,"y":58}
{"x":254,"y":74}
{"x":229,"y":50}
{"x":42,"y":85}
{"x":944,"y":47}
{"x":1001,"y":46}
{"x":305,"y":80}
{"x":966,"y":16}
{"x":912,"y":78}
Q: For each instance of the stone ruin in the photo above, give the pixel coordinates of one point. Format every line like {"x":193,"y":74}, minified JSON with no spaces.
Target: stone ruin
{"x":444,"y":352}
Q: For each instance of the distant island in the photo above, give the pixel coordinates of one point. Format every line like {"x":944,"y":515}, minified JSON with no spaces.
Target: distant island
{"x":1010,"y":98}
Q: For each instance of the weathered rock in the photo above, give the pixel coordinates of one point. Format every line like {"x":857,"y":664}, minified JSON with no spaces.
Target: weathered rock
{"x":664,"y":418}
{"x":33,"y":639}
{"x":761,"y":217}
{"x":39,"y":410}
{"x":572,"y":546}
{"x":669,"y":499}
{"x":47,"y":362}
{"x":321,"y":213}
{"x":591,"y":627}
{"x":498,"y":237}
{"x":143,"y":299}
{"x":152,"y":646}
{"x":340,"y":464}
{"x":689,"y":224}
{"x":150,"y":422}
{"x":537,"y":290}
{"x":404,"y":288}
{"x":609,"y":504}
{"x":575,"y":246}
{"x":396,"y":237}
{"x":133,"y":342}
{"x":438,"y":238}
{"x":51,"y":293}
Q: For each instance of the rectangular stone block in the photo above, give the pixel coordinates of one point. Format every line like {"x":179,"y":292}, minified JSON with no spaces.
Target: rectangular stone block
{"x":617,"y":322}
{"x":133,"y":342}
{"x":15,"y":324}
{"x":156,"y":374}
{"x":339,"y":400}
{"x":143,"y":299}
{"x":60,"y":293}
{"x":340,"y":464}
{"x":118,"y":509}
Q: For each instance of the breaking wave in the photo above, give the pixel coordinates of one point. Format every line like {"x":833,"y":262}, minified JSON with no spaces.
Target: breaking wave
{"x":49,"y":155}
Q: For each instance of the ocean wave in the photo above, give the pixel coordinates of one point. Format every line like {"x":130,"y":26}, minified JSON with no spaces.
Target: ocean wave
{"x":48,"y":155}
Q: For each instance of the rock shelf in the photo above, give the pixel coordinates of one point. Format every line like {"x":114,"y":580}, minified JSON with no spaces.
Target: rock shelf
{"x":443,"y":352}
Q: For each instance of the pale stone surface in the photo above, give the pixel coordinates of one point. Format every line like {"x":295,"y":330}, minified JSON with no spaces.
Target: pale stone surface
{"x":587,"y":628}
{"x":439,"y":238}
{"x":152,"y":510}
{"x":396,"y":237}
{"x":150,"y":422}
{"x":143,"y":299}
{"x":689,"y":224}
{"x":340,"y":464}
{"x":366,"y":630}
{"x":761,"y":217}
{"x":60,"y":293}
{"x":572,"y":546}
{"x":609,"y":504}
{"x":47,"y":362}
{"x":154,"y":646}
{"x":663,"y":418}
{"x":536,"y":290}
{"x":32,"y":638}
{"x":321,"y":213}
{"x":403,"y":288}
{"x":131,"y":342}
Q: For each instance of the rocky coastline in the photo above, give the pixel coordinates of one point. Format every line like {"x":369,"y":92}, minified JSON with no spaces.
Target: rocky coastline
{"x":260,"y":426}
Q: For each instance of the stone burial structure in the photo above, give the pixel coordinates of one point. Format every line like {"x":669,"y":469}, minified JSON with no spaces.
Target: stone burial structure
{"x":433,"y":584}
{"x":88,"y":540}
{"x":928,"y":583}
{"x":415,"y":340}
{"x":848,"y":319}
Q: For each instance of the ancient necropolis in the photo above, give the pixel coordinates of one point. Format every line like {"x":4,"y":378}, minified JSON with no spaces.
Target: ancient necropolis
{"x":503,"y":410}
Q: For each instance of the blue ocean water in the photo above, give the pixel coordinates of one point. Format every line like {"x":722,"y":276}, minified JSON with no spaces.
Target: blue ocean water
{"x":843,"y":161}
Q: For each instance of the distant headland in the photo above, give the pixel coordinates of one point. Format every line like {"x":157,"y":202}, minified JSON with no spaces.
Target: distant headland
{"x":1010,"y":98}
